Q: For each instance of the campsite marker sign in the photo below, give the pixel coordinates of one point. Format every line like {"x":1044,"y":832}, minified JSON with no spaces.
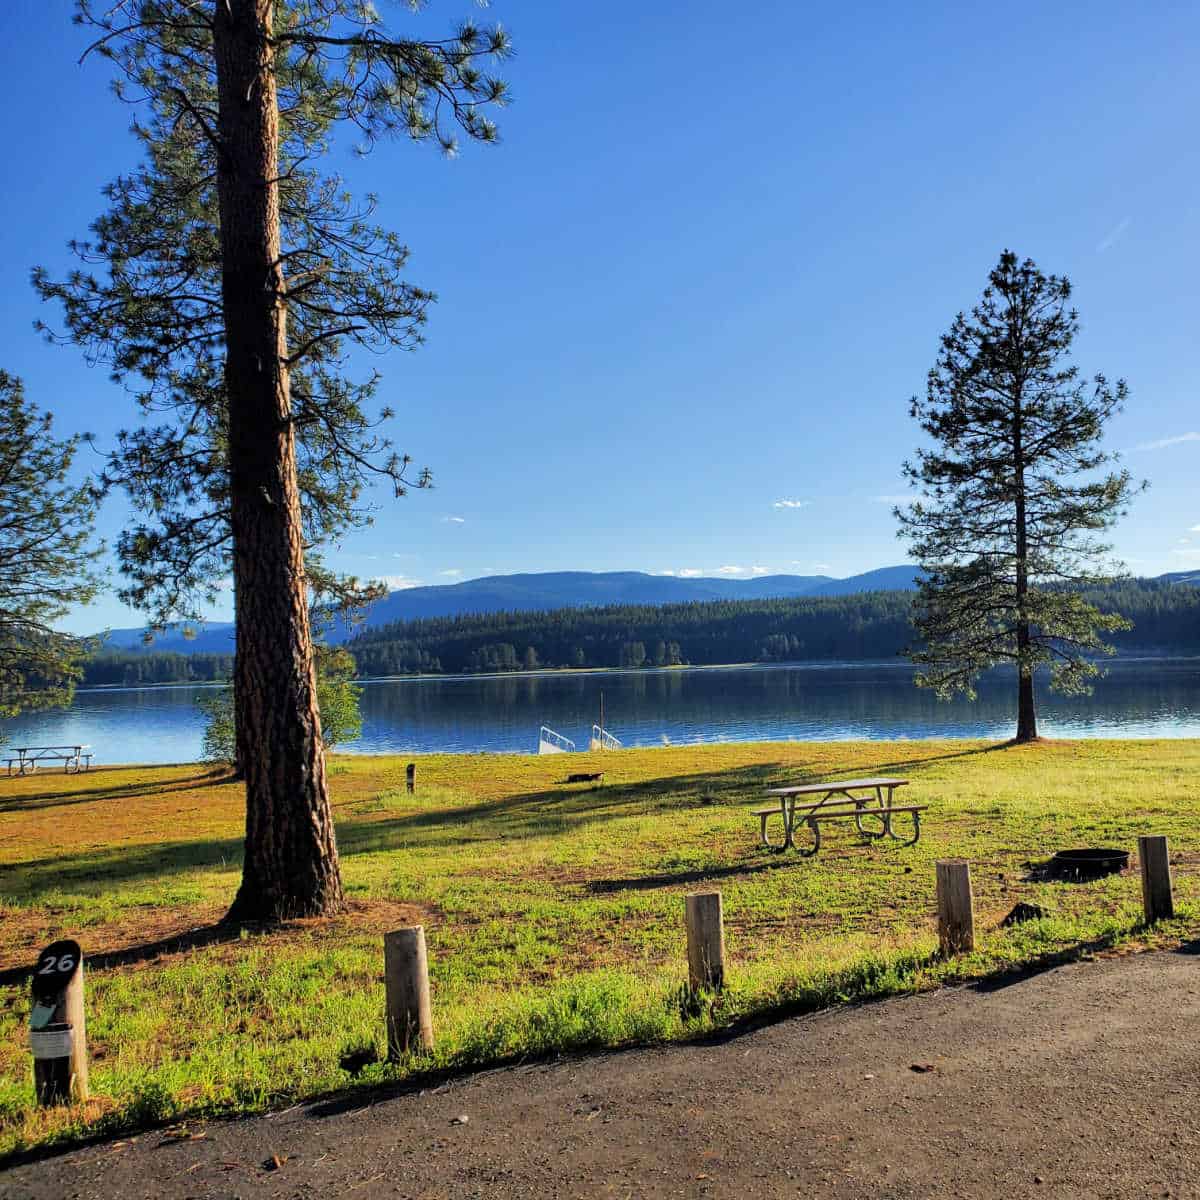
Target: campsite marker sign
{"x":57,"y":1031}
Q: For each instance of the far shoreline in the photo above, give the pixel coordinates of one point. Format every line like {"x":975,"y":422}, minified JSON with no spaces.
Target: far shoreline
{"x":555,"y":672}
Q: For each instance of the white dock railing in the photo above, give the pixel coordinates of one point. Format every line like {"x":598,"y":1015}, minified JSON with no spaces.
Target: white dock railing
{"x":550,"y":742}
{"x":603,"y":740}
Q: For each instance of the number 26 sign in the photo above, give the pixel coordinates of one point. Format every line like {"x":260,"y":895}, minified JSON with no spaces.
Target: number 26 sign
{"x":55,"y":967}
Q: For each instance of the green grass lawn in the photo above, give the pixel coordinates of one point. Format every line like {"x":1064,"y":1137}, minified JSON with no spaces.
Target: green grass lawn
{"x":554,"y":913}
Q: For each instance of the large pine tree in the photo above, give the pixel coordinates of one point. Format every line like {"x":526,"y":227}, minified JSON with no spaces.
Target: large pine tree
{"x":47,"y":555}
{"x":1015,"y":495}
{"x":226,"y":284}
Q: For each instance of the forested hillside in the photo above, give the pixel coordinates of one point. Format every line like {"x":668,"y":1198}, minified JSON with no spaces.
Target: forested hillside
{"x":871,"y":626}
{"x":874,"y":625}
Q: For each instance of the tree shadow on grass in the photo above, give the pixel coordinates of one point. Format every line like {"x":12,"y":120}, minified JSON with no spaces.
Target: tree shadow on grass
{"x":548,"y":812}
{"x":96,"y":871}
{"x":1053,"y":959}
{"x":178,"y":943}
{"x":564,"y":809}
{"x":32,"y":801}
{"x":639,"y":883}
{"x":907,"y":764}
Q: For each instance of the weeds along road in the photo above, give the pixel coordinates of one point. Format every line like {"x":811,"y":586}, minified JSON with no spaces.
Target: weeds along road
{"x":1080,"y":1081}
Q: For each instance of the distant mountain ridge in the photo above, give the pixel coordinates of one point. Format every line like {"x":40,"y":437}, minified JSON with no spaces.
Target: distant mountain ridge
{"x":545,"y":591}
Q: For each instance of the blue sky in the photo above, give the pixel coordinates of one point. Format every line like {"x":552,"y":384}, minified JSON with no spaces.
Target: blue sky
{"x":683,"y":306}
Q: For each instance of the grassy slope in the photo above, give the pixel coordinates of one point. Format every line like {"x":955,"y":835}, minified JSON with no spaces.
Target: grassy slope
{"x":554,"y":913}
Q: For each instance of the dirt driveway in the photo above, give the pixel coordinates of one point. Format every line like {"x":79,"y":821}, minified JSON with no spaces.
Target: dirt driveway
{"x":1082,"y":1081}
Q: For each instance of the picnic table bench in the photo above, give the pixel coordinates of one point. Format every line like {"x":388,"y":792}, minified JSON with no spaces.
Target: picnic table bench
{"x":24,"y":760}
{"x":877,"y":804}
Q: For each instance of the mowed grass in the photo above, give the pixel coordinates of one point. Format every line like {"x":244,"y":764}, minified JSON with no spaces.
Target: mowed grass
{"x":553,"y":913}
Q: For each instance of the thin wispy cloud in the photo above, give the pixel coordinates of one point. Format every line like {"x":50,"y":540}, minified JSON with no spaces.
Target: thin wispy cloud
{"x":1164,"y":443}
{"x":454,"y":520}
{"x":1194,"y":529}
{"x":399,"y":583}
{"x":1114,"y":235}
{"x":903,"y":499}
{"x":729,"y":571}
{"x":451,"y":572}
{"x":743,"y":572}
{"x":791,"y":504}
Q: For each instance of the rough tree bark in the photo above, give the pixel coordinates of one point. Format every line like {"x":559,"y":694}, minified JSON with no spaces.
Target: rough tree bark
{"x":1026,"y":711}
{"x":291,"y":866}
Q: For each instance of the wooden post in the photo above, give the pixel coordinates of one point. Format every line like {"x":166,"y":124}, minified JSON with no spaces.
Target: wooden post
{"x":58,"y":1027}
{"x":956,"y":911}
{"x":705,"y":941}
{"x":406,"y":977}
{"x":1157,"y":899}
{"x":410,"y":777}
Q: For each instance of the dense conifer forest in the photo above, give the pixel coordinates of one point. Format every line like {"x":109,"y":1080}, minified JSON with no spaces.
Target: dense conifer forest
{"x":129,"y":668}
{"x":873,"y":625}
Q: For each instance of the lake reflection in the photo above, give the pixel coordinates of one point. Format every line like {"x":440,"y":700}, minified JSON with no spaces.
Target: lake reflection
{"x":1138,"y":698}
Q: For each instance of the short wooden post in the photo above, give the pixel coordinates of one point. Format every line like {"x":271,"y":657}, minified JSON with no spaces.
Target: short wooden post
{"x":1157,"y":899}
{"x":705,"y":941}
{"x":58,"y":1027}
{"x":956,"y":909}
{"x":410,"y":777}
{"x":406,"y":978}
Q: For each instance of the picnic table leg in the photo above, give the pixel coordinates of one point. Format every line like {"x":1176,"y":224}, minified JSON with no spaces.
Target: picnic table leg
{"x":763,"y":818}
{"x":916,"y":837}
{"x":815,"y":825}
{"x":886,"y":806}
{"x":862,"y":808}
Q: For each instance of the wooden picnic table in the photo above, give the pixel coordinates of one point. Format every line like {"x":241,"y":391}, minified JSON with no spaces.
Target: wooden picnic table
{"x":24,"y":760}
{"x":872,"y":799}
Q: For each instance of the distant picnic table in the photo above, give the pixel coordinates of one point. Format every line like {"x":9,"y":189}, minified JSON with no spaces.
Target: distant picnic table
{"x":24,"y":760}
{"x":869,"y":799}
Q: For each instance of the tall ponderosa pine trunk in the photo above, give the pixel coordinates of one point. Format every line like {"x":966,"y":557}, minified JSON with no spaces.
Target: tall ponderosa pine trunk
{"x":291,"y":866}
{"x":1026,"y":712}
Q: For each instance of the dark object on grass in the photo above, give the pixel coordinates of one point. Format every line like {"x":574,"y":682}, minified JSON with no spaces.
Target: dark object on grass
{"x":1023,"y":912}
{"x":356,"y":1061}
{"x":584,"y":777}
{"x":1089,"y":863}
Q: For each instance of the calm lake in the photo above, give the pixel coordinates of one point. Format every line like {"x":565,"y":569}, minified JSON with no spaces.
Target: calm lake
{"x":806,"y":702}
